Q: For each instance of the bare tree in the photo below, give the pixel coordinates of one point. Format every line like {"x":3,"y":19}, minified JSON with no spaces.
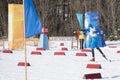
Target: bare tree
{"x":59,"y":15}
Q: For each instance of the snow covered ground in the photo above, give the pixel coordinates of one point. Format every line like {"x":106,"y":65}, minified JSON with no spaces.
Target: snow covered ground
{"x":60,"y":67}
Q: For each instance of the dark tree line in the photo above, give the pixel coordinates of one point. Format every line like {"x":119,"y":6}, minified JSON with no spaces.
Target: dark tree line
{"x":59,"y":15}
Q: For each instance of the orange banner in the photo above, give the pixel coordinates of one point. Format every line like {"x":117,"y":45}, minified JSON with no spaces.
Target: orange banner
{"x":15,"y":26}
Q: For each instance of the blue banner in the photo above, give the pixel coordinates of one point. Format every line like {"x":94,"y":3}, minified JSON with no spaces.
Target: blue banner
{"x":33,"y":24}
{"x":91,"y":18}
{"x":80,"y":19}
{"x":94,"y":35}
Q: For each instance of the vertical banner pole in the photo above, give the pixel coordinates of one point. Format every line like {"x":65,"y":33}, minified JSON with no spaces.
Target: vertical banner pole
{"x":25,"y":54}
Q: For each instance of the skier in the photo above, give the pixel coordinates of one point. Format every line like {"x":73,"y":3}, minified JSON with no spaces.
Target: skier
{"x":93,"y":35}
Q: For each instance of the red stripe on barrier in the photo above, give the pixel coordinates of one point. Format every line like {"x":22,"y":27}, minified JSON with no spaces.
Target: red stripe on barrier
{"x":61,"y":44}
{"x":92,"y":76}
{"x":23,"y":64}
{"x":112,"y":46}
{"x":35,"y":53}
{"x":59,"y":53}
{"x":81,"y":54}
{"x":118,"y":51}
{"x":64,"y":49}
{"x":86,"y":50}
{"x":94,"y":66}
{"x":7,"y":51}
{"x":40,"y":48}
